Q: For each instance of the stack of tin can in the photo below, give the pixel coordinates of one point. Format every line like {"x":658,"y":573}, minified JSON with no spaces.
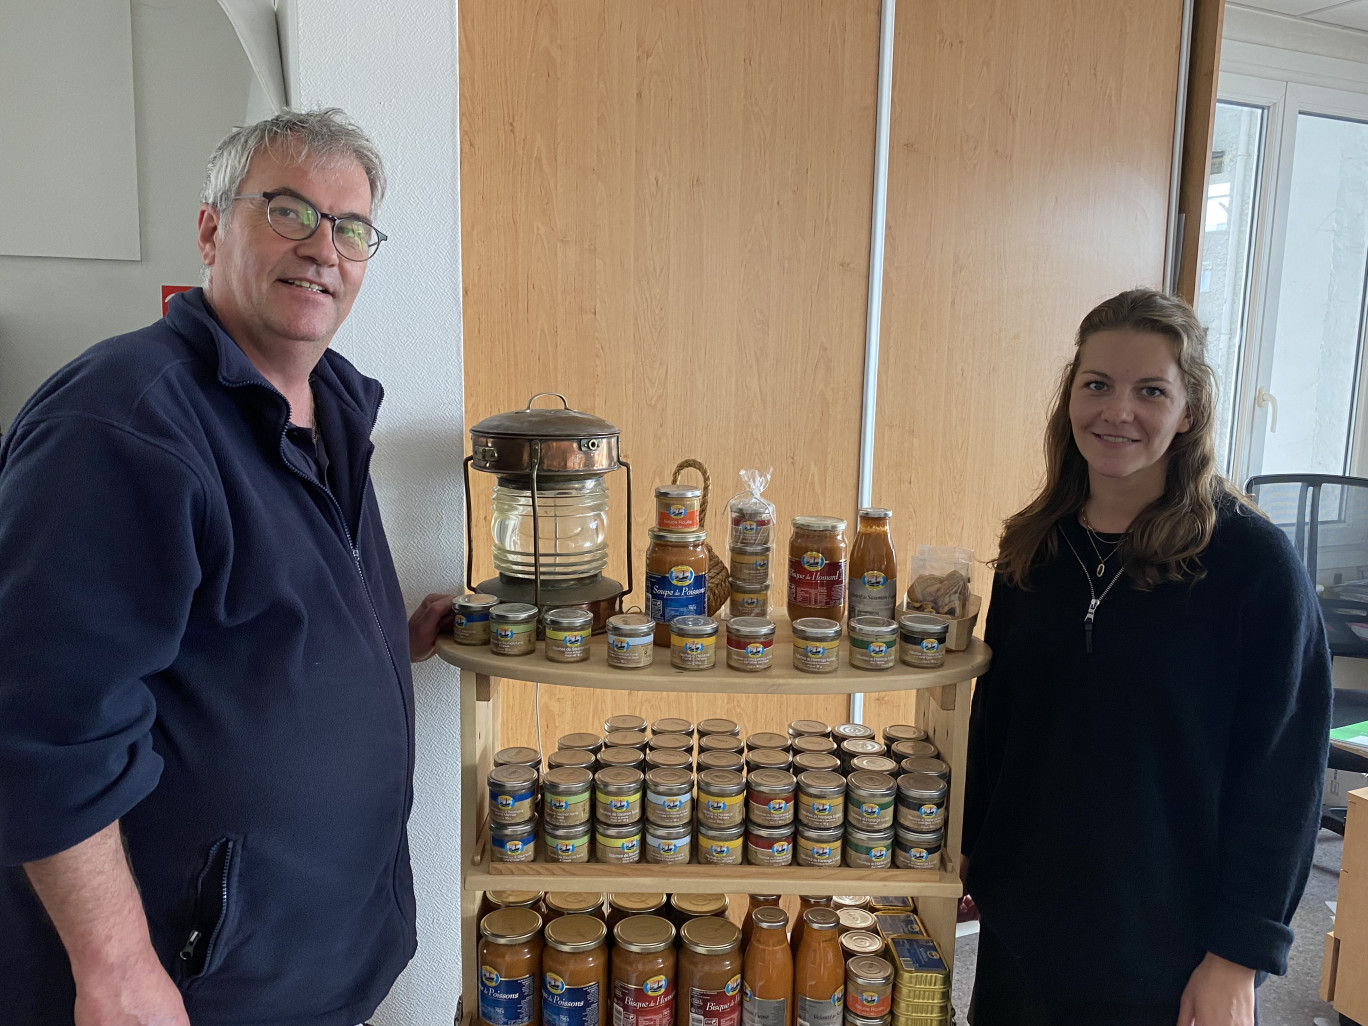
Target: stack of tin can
{"x":921,"y":979}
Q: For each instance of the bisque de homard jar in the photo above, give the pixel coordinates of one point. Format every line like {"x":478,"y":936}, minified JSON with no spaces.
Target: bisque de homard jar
{"x":873,"y":566}
{"x":912,"y":850}
{"x":631,"y":641}
{"x":767,"y":971}
{"x":869,"y":986}
{"x":873,"y":643}
{"x":678,"y":507}
{"x":693,"y":642}
{"x":470,"y":623}
{"x":644,"y":978}
{"x":575,"y":972}
{"x":817,"y":568}
{"x":921,"y":802}
{"x":750,"y":643}
{"x":921,"y":640}
{"x":513,"y":628}
{"x":709,"y":973}
{"x":816,"y":644}
{"x":676,"y":578}
{"x":510,"y":968}
{"x":567,"y":797}
{"x":819,"y":969}
{"x":567,"y":634}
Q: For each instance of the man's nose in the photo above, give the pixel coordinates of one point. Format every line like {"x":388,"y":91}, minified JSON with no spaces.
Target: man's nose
{"x":318,"y":247}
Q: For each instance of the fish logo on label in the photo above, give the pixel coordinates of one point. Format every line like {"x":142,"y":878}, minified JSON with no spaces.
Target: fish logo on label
{"x":747,"y":994}
{"x":928,"y":811}
{"x":554,"y":984}
{"x":720,"y":850}
{"x":619,"y":804}
{"x":778,"y":805}
{"x":874,"y":579}
{"x":619,"y":645}
{"x":693,"y":647}
{"x":748,"y":602}
{"x":762,"y":563}
{"x":869,"y":997}
{"x":565,"y":848}
{"x":838,"y":998}
{"x":458,"y":621}
{"x":559,"y":804}
{"x":780,"y":847}
{"x":655,"y":986}
{"x":821,"y":851}
{"x":489,"y":977}
{"x":681,"y":576}
{"x":666,"y":847}
{"x":678,"y":509}
{"x":749,"y":526}
{"x":878,"y":854}
{"x":629,"y":845}
{"x":917,"y":854}
{"x":813,"y":561}
{"x":821,"y":808}
{"x":505,"y":801}
{"x":671,"y":803}
{"x":755,"y":650}
{"x":870,"y":809}
{"x":503,"y":633}
{"x":816,"y":651}
{"x":573,"y":640}
{"x":716,"y":805}
{"x":929,"y":644}
{"x":877,"y":648}
{"x":733,"y":985}
{"x":513,"y":847}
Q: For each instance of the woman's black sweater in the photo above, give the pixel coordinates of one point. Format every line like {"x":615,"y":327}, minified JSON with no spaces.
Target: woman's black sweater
{"x":1129,"y":809}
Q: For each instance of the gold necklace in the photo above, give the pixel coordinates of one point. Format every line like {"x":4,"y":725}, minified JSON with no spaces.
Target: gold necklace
{"x":1093,"y":540}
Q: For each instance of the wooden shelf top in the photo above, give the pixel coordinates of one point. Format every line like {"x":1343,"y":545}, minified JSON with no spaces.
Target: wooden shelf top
{"x":781,"y":678}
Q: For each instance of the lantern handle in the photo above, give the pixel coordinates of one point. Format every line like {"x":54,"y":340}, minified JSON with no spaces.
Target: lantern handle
{"x":542,"y":395}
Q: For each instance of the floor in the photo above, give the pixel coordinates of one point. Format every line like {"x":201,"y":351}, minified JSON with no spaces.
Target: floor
{"x":1289,"y":1000}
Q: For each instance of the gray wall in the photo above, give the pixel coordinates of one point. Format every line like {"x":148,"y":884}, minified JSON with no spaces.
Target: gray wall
{"x":191,"y":85}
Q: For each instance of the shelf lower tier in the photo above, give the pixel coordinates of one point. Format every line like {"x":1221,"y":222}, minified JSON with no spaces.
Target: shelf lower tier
{"x":693,"y":879}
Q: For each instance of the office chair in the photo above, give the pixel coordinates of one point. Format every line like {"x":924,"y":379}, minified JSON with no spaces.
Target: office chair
{"x":1326,"y":519}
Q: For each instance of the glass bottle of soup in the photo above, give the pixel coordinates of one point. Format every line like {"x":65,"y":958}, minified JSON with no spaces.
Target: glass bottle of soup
{"x":748,"y":924}
{"x":575,"y":972}
{"x":819,"y":970}
{"x":817,"y":568}
{"x":510,"y":968}
{"x":644,"y":972}
{"x":767,"y":972}
{"x":709,"y":973}
{"x":873,"y":566}
{"x":805,"y":902}
{"x":676,"y":578}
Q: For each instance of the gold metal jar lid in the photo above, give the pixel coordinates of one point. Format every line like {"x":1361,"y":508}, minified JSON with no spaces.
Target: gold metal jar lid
{"x":771,"y":781}
{"x":718,"y":783}
{"x":846,"y":731}
{"x":858,"y":919}
{"x":840,"y":901}
{"x":569,"y":618}
{"x":770,"y":917}
{"x":768,"y":759}
{"x":870,"y":970}
{"x":808,"y":728}
{"x":576,"y":933}
{"x":820,"y":761}
{"x":710,"y":935}
{"x":580,"y":739}
{"x":721,"y":743}
{"x":619,"y":780}
{"x":475,"y":602}
{"x":821,"y":783}
{"x":574,"y":902}
{"x":720,"y":760}
{"x":815,"y":743}
{"x":767,"y":739}
{"x":719,"y":725}
{"x":626,"y":739}
{"x":636,"y":902}
{"x":861,"y":942}
{"x":514,"y":899}
{"x":811,"y":523}
{"x":568,"y":780}
{"x":511,"y":925}
{"x":678,"y":742}
{"x":621,"y":758}
{"x":672,"y":725}
{"x":699,"y":904}
{"x":517,"y":755}
{"x":895,"y":732}
{"x":668,"y":758}
{"x":624,"y":721}
{"x":630,"y":625}
{"x":644,"y":934}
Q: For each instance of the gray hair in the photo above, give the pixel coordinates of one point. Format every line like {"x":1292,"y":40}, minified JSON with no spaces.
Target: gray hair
{"x":327,"y":134}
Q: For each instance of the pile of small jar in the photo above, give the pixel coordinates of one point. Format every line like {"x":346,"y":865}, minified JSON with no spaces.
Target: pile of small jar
{"x":817,"y":796}
{"x":561,"y":959}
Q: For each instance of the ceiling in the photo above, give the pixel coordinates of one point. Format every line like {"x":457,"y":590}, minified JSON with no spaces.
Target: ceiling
{"x":1351,"y":14}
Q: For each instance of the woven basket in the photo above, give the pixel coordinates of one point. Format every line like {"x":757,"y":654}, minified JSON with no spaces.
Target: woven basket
{"x":719,"y":584}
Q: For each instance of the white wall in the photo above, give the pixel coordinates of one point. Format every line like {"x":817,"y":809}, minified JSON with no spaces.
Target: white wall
{"x":191,"y":85}
{"x":406,"y":330}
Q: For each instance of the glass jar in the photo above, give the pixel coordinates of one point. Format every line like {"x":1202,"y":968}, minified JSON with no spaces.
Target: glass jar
{"x":580,"y":757}
{"x":514,"y":899}
{"x":850,"y":731}
{"x":669,"y":797}
{"x":808,"y":728}
{"x":624,"y":721}
{"x":869,"y":801}
{"x":574,"y":972}
{"x":821,"y":800}
{"x":617,"y":795}
{"x":895,"y":732}
{"x":512,"y":842}
{"x":767,"y":739}
{"x":769,"y":846}
{"x":624,"y":904}
{"x":677,"y":507}
{"x":767,"y":971}
{"x":866,"y":849}
{"x":913,"y":850}
{"x":676,"y":742}
{"x":913,"y":750}
{"x":622,"y":758}
{"x":510,"y":956}
{"x":752,"y":522}
{"x":768,"y":758}
{"x":617,"y":844}
{"x":470,"y":625}
{"x":718,"y":725}
{"x":926,"y":764}
{"x":644,"y":972}
{"x":844,"y":901}
{"x":721,"y":760}
{"x":851,"y":1019}
{"x":876,"y":763}
{"x":861,"y":942}
{"x":817,"y":569}
{"x":721,"y":743}
{"x":626,"y":739}
{"x":721,"y":799}
{"x":869,"y":986}
{"x":873,"y":643}
{"x":810,"y":761}
{"x":668,"y":845}
{"x":873,"y":567}
{"x":684,"y":907}
{"x":631,"y":641}
{"x":721,"y":846}
{"x":582,"y":740}
{"x":512,"y":794}
{"x":672,"y":725}
{"x":513,"y":628}
{"x":770,"y":798}
{"x":812,"y":743}
{"x":574,"y":903}
{"x":819,"y":968}
{"x":819,"y":848}
{"x":567,"y":634}
{"x":922,"y":640}
{"x":676,"y":578}
{"x":750,"y":565}
{"x":816,"y":645}
{"x":567,"y":844}
{"x":709,"y":973}
{"x":668,"y":758}
{"x":855,"y":747}
{"x":518,"y":755}
{"x":754,"y":902}
{"x":693,"y":642}
{"x":749,"y":599}
{"x":567,"y":797}
{"x":572,"y":521}
{"x":750,"y":643}
{"x":921,"y":802}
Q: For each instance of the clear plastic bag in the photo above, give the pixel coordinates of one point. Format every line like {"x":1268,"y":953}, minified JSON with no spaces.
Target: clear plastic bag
{"x":940,"y":580}
{"x":750,"y":514}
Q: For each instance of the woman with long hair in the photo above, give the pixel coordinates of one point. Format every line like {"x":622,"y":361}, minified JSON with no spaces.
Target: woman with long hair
{"x":1147,"y":750}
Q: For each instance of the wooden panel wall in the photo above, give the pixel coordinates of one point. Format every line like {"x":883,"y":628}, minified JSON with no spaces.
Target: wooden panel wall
{"x":1031,"y":144}
{"x":665,"y":217}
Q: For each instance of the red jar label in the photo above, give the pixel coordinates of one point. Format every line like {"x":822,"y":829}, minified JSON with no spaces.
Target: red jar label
{"x":816,"y":581}
{"x":716,"y":1007}
{"x":751,"y":647}
{"x":651,"y":1004}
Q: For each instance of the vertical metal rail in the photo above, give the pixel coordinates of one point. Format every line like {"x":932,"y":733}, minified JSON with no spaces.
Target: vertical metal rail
{"x":1173,"y":251}
{"x":888,"y":16}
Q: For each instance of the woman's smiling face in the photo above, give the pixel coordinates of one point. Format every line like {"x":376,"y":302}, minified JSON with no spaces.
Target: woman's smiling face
{"x":1127,"y":404}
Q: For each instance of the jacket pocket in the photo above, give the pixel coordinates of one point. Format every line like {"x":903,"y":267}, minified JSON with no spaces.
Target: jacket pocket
{"x":203,"y":947}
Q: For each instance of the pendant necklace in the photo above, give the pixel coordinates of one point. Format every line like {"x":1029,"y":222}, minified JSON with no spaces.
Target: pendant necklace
{"x":1092,"y":540}
{"x":1092,"y":592}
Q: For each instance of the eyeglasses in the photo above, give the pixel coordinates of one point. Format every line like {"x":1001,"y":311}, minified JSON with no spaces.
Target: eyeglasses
{"x":297,"y":219}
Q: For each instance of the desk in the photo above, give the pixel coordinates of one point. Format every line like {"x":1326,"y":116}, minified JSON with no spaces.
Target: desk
{"x":1346,"y":948}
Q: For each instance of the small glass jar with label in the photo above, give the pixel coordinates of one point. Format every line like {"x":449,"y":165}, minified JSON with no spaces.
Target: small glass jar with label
{"x":513,"y":628}
{"x":873,"y":643}
{"x":512,"y":842}
{"x":510,"y":956}
{"x":865,"y":849}
{"x":816,"y":644}
{"x":567,"y":634}
{"x":678,"y":507}
{"x":769,"y":846}
{"x":770,"y":798}
{"x":749,"y":599}
{"x":567,"y":796}
{"x":721,"y":799}
{"x":693,"y":643}
{"x":668,"y":845}
{"x":821,"y":800}
{"x":869,"y":800}
{"x":921,"y":802}
{"x":913,"y":850}
{"x":750,"y":564}
{"x":470,"y":623}
{"x":617,"y":844}
{"x":567,"y":844}
{"x":750,"y":643}
{"x":921,"y":640}
{"x":676,"y":578}
{"x":669,"y":797}
{"x":574,"y":970}
{"x":631,"y":641}
{"x":722,"y":846}
{"x":819,"y":848}
{"x":869,"y":986}
{"x":512,"y":794}
{"x":617,"y":795}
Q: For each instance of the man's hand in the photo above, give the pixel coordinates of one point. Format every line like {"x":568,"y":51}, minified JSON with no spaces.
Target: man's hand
{"x":1218,"y":993}
{"x":129,"y":995}
{"x":432,"y":617}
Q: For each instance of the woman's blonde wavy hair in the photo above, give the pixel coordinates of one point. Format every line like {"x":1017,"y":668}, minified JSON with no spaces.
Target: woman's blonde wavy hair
{"x":1166,"y":540}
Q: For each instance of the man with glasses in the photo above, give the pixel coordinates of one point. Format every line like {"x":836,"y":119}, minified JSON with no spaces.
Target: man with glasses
{"x":206,"y":708}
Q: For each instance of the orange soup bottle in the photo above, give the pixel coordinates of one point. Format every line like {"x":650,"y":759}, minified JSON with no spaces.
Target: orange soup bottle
{"x":819,"y":970}
{"x":748,"y":924}
{"x":873,"y":566}
{"x":805,"y":902}
{"x":767,"y":972}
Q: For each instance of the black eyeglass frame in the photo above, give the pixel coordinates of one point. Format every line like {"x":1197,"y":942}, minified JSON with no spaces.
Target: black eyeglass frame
{"x":273,"y":193}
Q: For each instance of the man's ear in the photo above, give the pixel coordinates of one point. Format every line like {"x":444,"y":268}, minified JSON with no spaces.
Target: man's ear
{"x":207,"y":235}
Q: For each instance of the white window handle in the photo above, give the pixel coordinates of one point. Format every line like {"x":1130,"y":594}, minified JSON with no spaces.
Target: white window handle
{"x":1263,"y":397}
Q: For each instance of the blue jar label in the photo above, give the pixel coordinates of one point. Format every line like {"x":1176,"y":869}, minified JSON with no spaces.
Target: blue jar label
{"x":569,"y":1006}
{"x":681,"y":592}
{"x":505,"y":1002}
